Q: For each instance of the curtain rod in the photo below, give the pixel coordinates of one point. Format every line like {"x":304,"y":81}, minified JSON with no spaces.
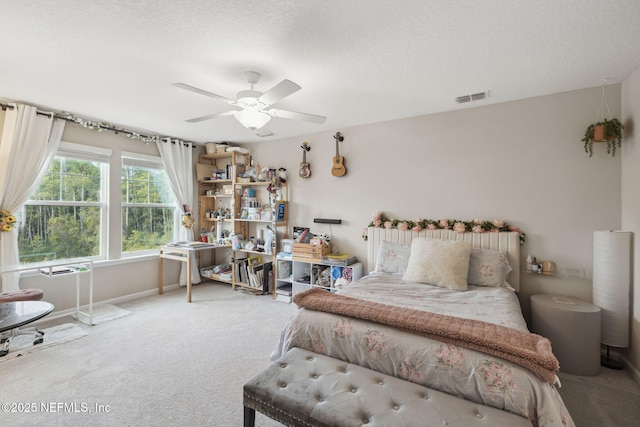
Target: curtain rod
{"x":10,"y":107}
{"x":100,"y":126}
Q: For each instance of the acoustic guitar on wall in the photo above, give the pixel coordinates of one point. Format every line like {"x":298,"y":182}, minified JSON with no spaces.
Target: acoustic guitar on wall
{"x":305,"y":168}
{"x":338,"y":168}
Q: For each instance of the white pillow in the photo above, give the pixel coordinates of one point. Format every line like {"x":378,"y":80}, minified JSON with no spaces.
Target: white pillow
{"x":443,"y":263}
{"x":488,"y":268}
{"x":393,"y":257}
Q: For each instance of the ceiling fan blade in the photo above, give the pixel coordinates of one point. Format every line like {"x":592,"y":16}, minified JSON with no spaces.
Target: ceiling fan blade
{"x":312,"y":118}
{"x":203,"y":92}
{"x":279,"y":91}
{"x":211,"y":116}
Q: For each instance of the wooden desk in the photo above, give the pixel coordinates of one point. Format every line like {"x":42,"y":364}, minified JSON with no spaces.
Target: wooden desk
{"x":182,"y":254}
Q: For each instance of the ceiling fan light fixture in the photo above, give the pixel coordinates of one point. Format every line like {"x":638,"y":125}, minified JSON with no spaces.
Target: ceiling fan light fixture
{"x":255,"y":105}
{"x":249,"y":98}
{"x":252,"y":119}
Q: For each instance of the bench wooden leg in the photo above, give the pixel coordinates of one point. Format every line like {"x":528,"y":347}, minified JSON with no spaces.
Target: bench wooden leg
{"x":249,"y":417}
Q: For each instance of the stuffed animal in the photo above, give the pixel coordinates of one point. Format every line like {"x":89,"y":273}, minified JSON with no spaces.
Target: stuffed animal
{"x":277,"y":180}
{"x":262,"y":176}
{"x":324,"y":237}
{"x":282,"y":175}
{"x":274,"y":185}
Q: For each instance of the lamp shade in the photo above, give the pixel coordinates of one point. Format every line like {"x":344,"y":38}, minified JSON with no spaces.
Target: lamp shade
{"x":612,"y":284}
{"x":252,"y":119}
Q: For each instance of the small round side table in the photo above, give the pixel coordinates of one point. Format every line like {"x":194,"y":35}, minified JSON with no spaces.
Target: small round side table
{"x":573,"y":327}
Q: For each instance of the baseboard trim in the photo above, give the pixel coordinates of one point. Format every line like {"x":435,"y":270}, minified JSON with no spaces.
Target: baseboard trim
{"x":116,"y":300}
{"x":635,"y":374}
{"x":625,"y":362}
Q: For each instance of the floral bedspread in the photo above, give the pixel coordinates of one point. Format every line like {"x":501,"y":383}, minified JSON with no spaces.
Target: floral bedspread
{"x":462,"y":372}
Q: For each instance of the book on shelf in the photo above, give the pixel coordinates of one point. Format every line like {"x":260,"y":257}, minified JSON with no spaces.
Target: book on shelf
{"x":254,"y":260}
{"x":284,"y":269}
{"x":255,"y":275}
{"x":242,"y":274}
{"x":305,"y":237}
{"x":194,"y":244}
{"x":267,"y":276}
{"x":284,"y":293}
{"x":52,"y":271}
{"x":286,"y":289}
{"x":284,"y":298}
{"x":339,"y":260}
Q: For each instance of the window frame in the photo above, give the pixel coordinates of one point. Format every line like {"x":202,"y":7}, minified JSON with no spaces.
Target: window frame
{"x":151,"y":162}
{"x":101,"y":156}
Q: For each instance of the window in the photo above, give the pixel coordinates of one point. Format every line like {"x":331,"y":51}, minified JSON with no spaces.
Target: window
{"x":65,"y":216}
{"x":149,"y":213}
{"x":69,"y":213}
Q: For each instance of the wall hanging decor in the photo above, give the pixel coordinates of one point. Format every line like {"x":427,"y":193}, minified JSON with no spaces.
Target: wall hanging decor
{"x":604,"y":129}
{"x":305,"y":168}
{"x":338,"y":168}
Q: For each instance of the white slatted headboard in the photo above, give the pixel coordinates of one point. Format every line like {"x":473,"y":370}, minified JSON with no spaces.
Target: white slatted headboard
{"x":508,"y":242}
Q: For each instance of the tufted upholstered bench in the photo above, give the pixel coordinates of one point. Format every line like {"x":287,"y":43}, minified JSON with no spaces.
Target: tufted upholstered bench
{"x":308,"y":389}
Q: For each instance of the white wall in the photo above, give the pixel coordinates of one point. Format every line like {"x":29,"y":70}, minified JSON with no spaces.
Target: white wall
{"x":521,"y":161}
{"x":631,"y":200}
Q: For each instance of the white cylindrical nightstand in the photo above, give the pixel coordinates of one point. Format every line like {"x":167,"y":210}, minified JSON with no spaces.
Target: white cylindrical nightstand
{"x":573,"y":327}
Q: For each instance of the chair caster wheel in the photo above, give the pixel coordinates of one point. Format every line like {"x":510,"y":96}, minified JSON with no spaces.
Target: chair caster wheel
{"x":4,"y":353}
{"x":38,"y":341}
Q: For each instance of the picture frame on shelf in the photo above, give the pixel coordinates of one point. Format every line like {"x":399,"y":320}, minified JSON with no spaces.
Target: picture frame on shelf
{"x":281,"y":210}
{"x":297,"y":231}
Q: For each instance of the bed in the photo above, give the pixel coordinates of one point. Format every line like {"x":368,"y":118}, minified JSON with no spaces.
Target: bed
{"x":410,"y":347}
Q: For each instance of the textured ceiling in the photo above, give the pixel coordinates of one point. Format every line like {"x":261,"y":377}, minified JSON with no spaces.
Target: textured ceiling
{"x":358,"y":62}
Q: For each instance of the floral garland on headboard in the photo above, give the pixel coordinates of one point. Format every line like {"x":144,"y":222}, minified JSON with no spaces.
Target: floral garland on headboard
{"x":380,"y":220}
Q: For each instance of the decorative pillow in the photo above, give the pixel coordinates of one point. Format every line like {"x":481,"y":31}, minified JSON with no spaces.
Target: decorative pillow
{"x":392,"y":257}
{"x":443,"y":263}
{"x":488,"y":268}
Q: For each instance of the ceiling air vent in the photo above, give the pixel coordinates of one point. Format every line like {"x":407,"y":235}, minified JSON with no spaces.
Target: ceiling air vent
{"x":473,"y":97}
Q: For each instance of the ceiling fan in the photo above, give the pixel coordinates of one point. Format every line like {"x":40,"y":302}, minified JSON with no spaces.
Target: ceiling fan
{"x":252,"y":108}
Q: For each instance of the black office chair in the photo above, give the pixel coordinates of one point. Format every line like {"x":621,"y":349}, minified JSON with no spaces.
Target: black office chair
{"x":6,"y":336}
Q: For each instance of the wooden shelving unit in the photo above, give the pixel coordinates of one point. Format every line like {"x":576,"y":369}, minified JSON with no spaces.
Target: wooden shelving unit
{"x":221,"y":196}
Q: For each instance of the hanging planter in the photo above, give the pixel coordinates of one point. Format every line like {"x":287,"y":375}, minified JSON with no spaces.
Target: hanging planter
{"x":606,"y":130}
{"x":599,"y":133}
{"x":609,"y":131}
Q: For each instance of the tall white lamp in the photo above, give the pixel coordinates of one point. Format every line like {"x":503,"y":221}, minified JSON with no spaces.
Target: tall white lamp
{"x":611,"y":288}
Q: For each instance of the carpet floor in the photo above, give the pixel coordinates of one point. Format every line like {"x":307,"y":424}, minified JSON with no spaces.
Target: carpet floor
{"x":171,"y":363}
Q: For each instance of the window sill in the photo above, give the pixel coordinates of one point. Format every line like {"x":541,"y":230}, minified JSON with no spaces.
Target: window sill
{"x":108,"y":263}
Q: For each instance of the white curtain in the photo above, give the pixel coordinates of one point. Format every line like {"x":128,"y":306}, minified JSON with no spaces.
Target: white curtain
{"x":177,"y":157}
{"x":29,"y":143}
